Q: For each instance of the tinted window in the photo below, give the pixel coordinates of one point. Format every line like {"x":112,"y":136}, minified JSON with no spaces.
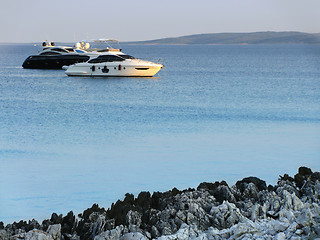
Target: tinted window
{"x":70,"y":49}
{"x":50,"y":53}
{"x":106,"y":58}
{"x":126,"y":56}
{"x":59,"y":49}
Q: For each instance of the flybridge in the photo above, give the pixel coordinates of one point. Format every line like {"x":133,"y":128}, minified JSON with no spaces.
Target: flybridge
{"x":101,"y":40}
{"x":100,"y":45}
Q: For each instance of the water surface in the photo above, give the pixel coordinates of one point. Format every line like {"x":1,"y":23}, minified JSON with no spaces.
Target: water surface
{"x":214,"y":113}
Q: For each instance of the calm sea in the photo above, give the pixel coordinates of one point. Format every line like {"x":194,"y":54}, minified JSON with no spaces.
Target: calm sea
{"x":213,"y":113}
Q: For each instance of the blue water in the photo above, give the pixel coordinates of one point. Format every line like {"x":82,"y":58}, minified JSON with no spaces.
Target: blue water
{"x":214,"y":113}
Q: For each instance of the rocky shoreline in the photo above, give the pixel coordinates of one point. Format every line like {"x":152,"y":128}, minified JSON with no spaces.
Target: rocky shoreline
{"x":248,"y":210}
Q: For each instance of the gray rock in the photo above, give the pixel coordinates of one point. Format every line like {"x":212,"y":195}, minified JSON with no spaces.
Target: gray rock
{"x":247,"y":210}
{"x":113,"y":234}
{"x":54,"y":231}
{"x":133,"y":236}
{"x":4,"y":235}
{"x":133,"y":218}
{"x":226,"y":215}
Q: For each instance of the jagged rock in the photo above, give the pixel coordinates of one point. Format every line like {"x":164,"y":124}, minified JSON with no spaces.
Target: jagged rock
{"x":54,"y":233}
{"x":249,"y":188}
{"x":21,"y":227}
{"x":133,"y":236}
{"x":133,"y":218}
{"x":251,"y":191}
{"x":119,"y":210}
{"x":225,"y":215}
{"x":93,"y":222}
{"x":211,"y":186}
{"x":256,"y":212}
{"x":260,"y":184}
{"x":303,"y":174}
{"x":315,"y":176}
{"x":56,"y":219}
{"x":185,"y":232}
{"x":113,"y":234}
{"x":223,"y":193}
{"x":94,"y":209}
{"x":155,"y":232}
{"x":33,"y":224}
{"x":68,"y":223}
{"x":286,"y":177}
{"x":144,"y":200}
{"x":110,"y":224}
{"x":286,"y":186}
{"x":247,"y":210}
{"x":220,"y":190}
{"x":31,"y":235}
{"x":4,"y":235}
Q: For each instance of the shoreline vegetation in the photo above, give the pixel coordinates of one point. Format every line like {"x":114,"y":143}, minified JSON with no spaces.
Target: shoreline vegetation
{"x":248,"y":210}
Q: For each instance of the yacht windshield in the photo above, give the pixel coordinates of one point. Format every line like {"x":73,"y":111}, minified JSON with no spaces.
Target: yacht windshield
{"x":107,"y":58}
{"x":99,"y":45}
{"x":59,"y":50}
{"x":126,"y":56}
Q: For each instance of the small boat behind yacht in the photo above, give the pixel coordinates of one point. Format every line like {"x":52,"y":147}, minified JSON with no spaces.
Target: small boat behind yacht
{"x":114,"y":63}
{"x":54,"y":57}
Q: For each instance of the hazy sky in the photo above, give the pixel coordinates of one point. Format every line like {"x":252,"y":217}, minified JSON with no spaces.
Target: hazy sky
{"x":130,"y":20}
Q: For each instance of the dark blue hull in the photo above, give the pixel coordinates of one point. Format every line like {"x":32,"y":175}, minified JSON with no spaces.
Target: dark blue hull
{"x":53,"y":62}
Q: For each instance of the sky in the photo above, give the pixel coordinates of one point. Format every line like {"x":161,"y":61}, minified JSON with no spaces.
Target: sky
{"x":25,"y":21}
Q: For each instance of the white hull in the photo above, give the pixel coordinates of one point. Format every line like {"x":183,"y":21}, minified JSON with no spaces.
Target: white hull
{"x":128,"y":68}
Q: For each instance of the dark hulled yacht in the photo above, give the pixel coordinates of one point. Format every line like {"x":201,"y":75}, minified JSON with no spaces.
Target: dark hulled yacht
{"x":55,"y":57}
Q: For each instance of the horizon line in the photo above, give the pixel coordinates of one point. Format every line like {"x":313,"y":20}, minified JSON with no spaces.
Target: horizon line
{"x":270,"y":31}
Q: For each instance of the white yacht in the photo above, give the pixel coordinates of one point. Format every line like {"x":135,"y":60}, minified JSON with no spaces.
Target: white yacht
{"x":114,"y":63}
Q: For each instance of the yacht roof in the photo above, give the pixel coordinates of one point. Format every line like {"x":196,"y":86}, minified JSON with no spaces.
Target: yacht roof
{"x":101,"y":40}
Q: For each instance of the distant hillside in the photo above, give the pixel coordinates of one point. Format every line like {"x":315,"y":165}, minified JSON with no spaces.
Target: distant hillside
{"x":241,"y":38}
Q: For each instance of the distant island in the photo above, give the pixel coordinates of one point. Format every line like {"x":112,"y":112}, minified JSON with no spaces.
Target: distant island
{"x":240,"y":38}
